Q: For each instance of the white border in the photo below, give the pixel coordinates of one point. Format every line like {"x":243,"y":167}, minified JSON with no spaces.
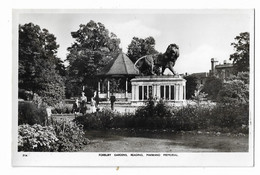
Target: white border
{"x":83,"y":159}
{"x":6,"y":72}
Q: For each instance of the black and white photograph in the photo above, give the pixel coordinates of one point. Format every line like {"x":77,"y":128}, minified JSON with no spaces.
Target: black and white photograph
{"x":134,"y":87}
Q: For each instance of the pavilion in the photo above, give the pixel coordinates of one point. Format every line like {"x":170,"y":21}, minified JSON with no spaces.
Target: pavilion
{"x":119,"y":67}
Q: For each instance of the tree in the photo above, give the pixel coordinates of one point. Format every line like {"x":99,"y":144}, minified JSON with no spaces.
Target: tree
{"x":212,"y":87}
{"x":241,"y":56}
{"x":191,"y":85}
{"x":140,"y":47}
{"x":39,"y":66}
{"x":93,"y":48}
{"x":243,"y":76}
{"x":234,"y":91}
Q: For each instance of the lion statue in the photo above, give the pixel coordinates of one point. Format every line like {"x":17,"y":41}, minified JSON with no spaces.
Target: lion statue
{"x":154,"y":62}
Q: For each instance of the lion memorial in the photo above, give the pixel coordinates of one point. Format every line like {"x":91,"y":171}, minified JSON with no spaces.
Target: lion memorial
{"x":154,"y":84}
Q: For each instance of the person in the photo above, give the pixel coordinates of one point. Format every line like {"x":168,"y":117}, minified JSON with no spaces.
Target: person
{"x":75,"y":108}
{"x":112,"y":100}
{"x":96,"y":100}
{"x":83,"y":97}
{"x":83,"y":103}
{"x":93,"y":105}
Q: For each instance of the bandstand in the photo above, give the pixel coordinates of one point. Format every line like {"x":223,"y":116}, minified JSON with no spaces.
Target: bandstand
{"x":120,"y":67}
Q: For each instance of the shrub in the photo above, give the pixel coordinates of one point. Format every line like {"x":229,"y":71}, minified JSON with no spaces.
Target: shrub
{"x":62,"y":108}
{"x":36,"y":138}
{"x":101,"y":120}
{"x":29,"y":113}
{"x":231,"y":116}
{"x":192,"y":117}
{"x":61,"y":136}
{"x":235,"y":91}
{"x":150,"y":116}
{"x":71,"y":136}
{"x":203,"y":116}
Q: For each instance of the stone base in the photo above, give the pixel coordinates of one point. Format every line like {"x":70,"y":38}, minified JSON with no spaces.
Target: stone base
{"x":169,"y":88}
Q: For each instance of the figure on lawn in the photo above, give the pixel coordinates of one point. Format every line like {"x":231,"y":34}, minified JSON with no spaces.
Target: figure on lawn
{"x":154,"y":62}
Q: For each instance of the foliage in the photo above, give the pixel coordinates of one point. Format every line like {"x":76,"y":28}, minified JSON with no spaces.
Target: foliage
{"x":71,"y":136}
{"x":235,"y":91}
{"x":61,"y":136}
{"x":191,"y":85}
{"x":231,"y":116}
{"x":243,"y":76}
{"x":36,"y":138}
{"x":29,"y":113}
{"x":104,"y":119}
{"x":203,"y":116}
{"x":52,"y":88}
{"x":140,"y":47}
{"x":212,"y":87}
{"x":199,"y":96}
{"x":192,"y":117}
{"x":241,"y":56}
{"x":93,"y":48}
{"x":62,"y":108}
{"x":150,"y":116}
{"x":40,"y":70}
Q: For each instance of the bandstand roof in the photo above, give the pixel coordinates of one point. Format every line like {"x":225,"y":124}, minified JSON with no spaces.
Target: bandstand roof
{"x":119,"y":66}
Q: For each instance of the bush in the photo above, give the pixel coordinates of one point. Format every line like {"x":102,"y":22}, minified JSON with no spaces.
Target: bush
{"x":29,"y":113}
{"x":207,"y":116}
{"x":235,"y":91}
{"x":71,"y":136}
{"x":104,"y":119}
{"x":60,"y":136}
{"x":36,"y":138}
{"x":235,"y":117}
{"x":62,"y":108}
{"x":193,"y":117}
{"x":150,"y":116}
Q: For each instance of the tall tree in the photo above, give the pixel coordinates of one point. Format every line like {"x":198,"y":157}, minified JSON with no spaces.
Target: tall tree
{"x":93,"y":48}
{"x":39,"y":65}
{"x":241,"y":56}
{"x":212,"y":87}
{"x":140,"y":47}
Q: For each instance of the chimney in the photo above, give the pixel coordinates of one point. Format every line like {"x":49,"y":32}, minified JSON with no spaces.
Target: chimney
{"x":225,"y":61}
{"x":213,"y":64}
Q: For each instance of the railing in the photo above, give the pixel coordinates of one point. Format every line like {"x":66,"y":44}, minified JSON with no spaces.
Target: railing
{"x":117,"y":95}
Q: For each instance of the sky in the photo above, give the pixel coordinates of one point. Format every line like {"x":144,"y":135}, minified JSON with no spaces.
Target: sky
{"x":200,"y":34}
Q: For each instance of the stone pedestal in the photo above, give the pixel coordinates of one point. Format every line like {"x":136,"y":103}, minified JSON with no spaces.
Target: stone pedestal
{"x":171,"y":89}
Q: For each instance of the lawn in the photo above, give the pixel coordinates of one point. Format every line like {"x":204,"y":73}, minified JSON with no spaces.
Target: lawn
{"x":164,"y":141}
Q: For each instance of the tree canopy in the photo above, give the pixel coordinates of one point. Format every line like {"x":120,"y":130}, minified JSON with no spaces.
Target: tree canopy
{"x":40,"y":69}
{"x":234,"y":91}
{"x":241,"y":56}
{"x":140,"y":47}
{"x":212,"y":87}
{"x":93,"y":48}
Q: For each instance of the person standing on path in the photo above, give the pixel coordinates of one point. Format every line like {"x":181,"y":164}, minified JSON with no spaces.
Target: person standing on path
{"x":83,"y":103}
{"x":112,"y":100}
{"x":75,"y":108}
